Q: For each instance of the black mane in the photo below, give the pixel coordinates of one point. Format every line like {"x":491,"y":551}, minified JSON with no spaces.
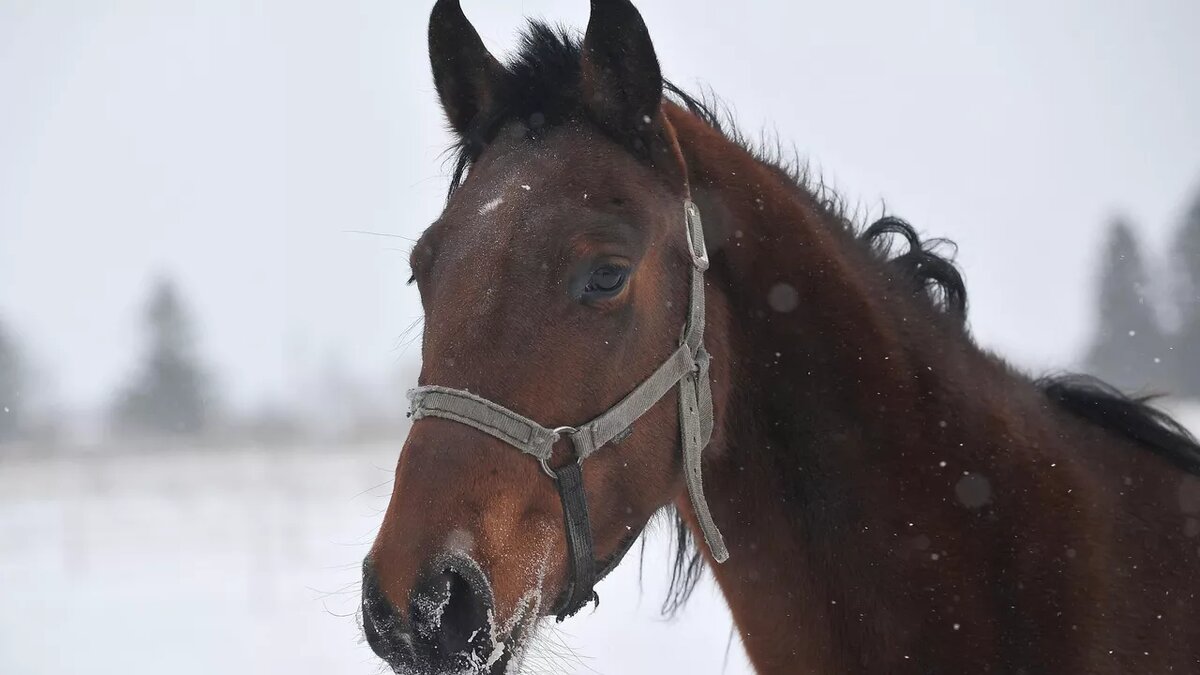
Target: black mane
{"x":543,"y":91}
{"x":1134,"y":418}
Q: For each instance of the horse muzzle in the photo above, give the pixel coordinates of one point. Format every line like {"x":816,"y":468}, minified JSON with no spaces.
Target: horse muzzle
{"x":446,"y":628}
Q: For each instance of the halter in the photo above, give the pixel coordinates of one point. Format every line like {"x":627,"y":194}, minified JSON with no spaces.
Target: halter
{"x":687,"y":368}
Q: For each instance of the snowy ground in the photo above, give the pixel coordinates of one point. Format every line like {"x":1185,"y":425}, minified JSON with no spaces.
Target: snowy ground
{"x":246,"y":561}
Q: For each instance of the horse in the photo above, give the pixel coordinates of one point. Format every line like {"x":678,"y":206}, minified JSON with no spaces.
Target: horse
{"x":663,"y":316}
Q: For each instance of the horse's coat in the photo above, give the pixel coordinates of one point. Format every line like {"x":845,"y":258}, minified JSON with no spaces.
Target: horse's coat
{"x":894,"y":498}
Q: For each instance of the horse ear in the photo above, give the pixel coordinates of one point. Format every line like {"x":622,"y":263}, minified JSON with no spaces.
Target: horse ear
{"x":621,"y":81}
{"x":468,"y":78}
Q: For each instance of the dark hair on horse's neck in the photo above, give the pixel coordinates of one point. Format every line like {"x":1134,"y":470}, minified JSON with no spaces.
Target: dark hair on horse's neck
{"x":543,"y":84}
{"x":1134,"y":417}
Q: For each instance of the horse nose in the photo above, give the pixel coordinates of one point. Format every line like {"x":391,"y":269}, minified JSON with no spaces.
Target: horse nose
{"x":381,"y":623}
{"x":446,"y":628}
{"x":449,"y":611}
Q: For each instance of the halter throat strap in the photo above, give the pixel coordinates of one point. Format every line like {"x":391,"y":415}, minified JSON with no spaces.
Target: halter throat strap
{"x":687,"y":368}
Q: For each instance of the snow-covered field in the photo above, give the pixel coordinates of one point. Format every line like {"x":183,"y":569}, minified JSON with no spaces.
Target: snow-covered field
{"x":238,"y":561}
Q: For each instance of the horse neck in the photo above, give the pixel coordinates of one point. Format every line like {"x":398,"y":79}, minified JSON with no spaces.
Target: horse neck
{"x":836,"y":390}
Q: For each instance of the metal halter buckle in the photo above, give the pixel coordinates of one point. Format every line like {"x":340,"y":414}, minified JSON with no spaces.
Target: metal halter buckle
{"x":560,"y":432}
{"x":695,"y":236}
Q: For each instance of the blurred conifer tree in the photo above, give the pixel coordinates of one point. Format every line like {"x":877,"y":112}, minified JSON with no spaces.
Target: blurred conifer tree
{"x":169,"y":394}
{"x":1129,"y":349}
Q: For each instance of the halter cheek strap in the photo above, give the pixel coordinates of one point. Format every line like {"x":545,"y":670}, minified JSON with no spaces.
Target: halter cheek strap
{"x":686,"y":368}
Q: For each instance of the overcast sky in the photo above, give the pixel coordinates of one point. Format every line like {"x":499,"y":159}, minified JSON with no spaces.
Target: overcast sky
{"x":232,"y":145}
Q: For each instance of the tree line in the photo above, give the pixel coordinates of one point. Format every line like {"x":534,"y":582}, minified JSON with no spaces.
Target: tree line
{"x":172,"y":394}
{"x":1147,"y":336}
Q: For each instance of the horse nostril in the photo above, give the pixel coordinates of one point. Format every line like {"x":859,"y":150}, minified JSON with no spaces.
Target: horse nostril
{"x":449,"y":613}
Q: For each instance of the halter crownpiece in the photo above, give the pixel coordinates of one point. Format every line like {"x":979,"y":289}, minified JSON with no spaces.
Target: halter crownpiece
{"x":687,"y":367}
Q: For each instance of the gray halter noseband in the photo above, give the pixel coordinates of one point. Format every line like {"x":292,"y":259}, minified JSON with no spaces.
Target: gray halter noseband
{"x":687,"y":368}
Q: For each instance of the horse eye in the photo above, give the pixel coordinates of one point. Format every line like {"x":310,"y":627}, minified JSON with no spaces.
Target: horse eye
{"x":606,"y":280}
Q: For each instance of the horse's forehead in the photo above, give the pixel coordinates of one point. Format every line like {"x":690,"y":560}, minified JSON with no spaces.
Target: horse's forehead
{"x":513,"y":195}
{"x":564,"y":158}
{"x":509,"y":214}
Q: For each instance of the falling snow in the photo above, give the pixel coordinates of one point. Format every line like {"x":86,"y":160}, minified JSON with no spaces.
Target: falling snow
{"x":973,"y":490}
{"x":490,"y":206}
{"x":783,"y":298}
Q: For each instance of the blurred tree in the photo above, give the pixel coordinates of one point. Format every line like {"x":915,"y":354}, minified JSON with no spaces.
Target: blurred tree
{"x":1129,"y":349}
{"x":1186,"y":253}
{"x":170,"y":393}
{"x":12,"y":381}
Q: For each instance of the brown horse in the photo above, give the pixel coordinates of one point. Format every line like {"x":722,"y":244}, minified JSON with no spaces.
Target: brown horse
{"x":893,"y":498}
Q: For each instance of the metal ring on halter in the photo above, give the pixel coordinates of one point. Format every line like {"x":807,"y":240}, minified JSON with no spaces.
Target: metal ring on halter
{"x":560,"y":432}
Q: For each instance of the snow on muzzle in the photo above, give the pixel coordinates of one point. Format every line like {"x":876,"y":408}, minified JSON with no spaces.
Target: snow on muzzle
{"x":447,"y":626}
